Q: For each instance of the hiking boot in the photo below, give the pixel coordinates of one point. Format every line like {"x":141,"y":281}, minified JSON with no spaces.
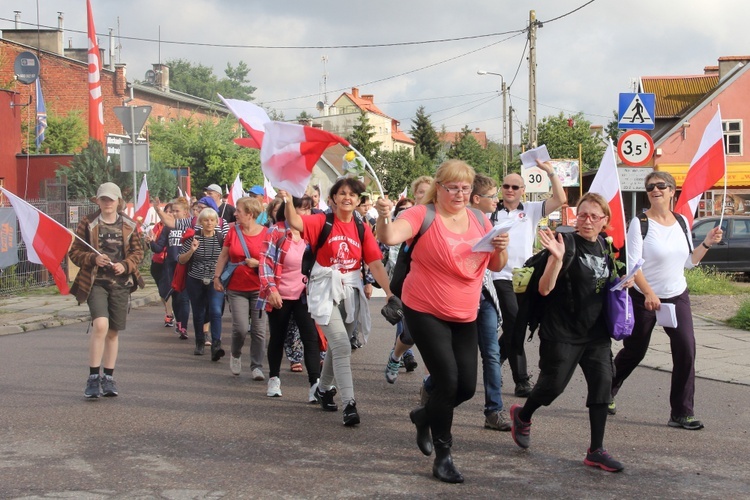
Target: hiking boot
{"x":326,"y":399}
{"x":93,"y":387}
{"x":109,"y":388}
{"x":523,"y":389}
{"x":602,"y":459}
{"x":409,"y":362}
{"x":257,"y":374}
{"x":612,"y":408}
{"x":688,"y":422}
{"x":497,"y":420}
{"x":519,"y":430}
{"x":391,"y":369}
{"x":216,"y":351}
{"x":351,"y":417}
{"x":235,"y":365}
{"x":168,"y":321}
{"x":274,"y":387}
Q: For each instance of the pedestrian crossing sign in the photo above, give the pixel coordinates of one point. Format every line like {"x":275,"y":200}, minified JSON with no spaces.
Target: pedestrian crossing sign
{"x":636,"y":111}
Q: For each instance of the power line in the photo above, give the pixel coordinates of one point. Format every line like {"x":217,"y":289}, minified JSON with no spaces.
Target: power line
{"x":568,"y":13}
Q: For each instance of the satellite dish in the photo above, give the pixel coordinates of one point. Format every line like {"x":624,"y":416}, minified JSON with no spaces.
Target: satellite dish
{"x":150,"y":77}
{"x":319,"y":106}
{"x":26,"y":67}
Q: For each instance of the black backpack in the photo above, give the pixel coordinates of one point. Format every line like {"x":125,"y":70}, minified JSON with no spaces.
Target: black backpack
{"x":643,"y":218}
{"x":308,"y":258}
{"x":403,"y":261}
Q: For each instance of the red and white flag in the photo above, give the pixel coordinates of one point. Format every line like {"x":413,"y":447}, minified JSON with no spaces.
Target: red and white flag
{"x":96,"y":101}
{"x":708,"y":166}
{"x":236,"y":192}
{"x":179,"y":192}
{"x":269,"y":193}
{"x":404,"y":193}
{"x":47,"y":241}
{"x":252,"y":118}
{"x":142,"y":202}
{"x":607,"y":183}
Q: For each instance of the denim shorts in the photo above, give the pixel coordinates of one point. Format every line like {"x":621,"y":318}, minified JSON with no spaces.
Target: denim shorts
{"x":109,"y":300}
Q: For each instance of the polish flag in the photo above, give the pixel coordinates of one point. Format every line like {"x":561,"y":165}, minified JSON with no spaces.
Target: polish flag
{"x":709,"y":165}
{"x":96,"y":101}
{"x":252,"y":118}
{"x":142,"y":203}
{"x":236,"y":192}
{"x":607,"y":183}
{"x":47,"y":241}
{"x":269,"y":193}
{"x":404,"y":193}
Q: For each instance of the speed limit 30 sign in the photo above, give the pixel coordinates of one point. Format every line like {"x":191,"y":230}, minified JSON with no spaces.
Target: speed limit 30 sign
{"x":635,"y":148}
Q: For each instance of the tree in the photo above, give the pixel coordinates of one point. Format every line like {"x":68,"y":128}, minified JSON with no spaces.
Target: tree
{"x":425,"y":135}
{"x":361,"y":138}
{"x":64,"y":135}
{"x":396,"y":169}
{"x":200,"y":81}
{"x":236,"y":84}
{"x":613,"y":128}
{"x":90,"y":168}
{"x":466,"y":148}
{"x":562,"y":140}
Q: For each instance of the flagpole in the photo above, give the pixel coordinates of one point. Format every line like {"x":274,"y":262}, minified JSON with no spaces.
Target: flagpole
{"x":724,"y":197}
{"x":372,"y":171}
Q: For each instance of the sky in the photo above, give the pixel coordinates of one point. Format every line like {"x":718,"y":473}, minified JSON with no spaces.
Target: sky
{"x":587,"y":51}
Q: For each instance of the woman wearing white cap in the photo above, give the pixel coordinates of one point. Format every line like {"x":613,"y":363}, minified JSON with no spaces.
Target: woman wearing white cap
{"x":108,"y":274}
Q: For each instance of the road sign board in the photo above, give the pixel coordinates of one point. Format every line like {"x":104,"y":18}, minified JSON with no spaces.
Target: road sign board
{"x":636,"y":111}
{"x":535,"y":179}
{"x":635,"y":148}
{"x":127,"y":150}
{"x":133,"y":118}
{"x":631,"y":178}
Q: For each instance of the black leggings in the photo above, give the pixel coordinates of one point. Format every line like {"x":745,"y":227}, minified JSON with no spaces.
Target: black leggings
{"x":449,"y":351}
{"x":278,"y":321}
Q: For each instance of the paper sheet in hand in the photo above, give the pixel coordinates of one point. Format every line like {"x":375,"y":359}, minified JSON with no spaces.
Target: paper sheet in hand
{"x":528,"y":159}
{"x":625,"y":278}
{"x":665,"y":316}
{"x":485,"y":244}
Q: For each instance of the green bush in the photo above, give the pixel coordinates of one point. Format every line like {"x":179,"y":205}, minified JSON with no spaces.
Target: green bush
{"x":742,"y":319}
{"x":709,"y":281}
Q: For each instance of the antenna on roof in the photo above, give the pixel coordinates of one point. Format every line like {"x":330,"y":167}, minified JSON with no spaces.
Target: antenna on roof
{"x":325,"y":79}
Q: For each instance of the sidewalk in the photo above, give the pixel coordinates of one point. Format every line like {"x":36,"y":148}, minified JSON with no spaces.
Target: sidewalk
{"x":723,"y":353}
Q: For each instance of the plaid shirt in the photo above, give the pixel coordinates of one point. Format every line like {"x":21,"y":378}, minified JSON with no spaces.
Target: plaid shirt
{"x":271,"y":260}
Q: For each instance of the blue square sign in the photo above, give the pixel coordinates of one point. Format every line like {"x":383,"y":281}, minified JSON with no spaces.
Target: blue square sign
{"x":636,"y":111}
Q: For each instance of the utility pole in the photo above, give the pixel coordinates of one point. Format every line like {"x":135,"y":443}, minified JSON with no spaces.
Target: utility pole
{"x":532,"y":79}
{"x":505,"y":131}
{"x":510,"y":132}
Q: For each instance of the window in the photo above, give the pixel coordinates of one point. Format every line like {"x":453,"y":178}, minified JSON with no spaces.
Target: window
{"x":732,"y":137}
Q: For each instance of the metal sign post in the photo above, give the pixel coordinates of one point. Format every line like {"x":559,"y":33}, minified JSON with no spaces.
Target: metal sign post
{"x":133,"y":118}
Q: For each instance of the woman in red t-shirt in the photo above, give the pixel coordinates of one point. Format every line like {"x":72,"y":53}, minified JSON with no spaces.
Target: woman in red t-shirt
{"x":441,"y":298}
{"x":244,"y":286}
{"x":335,"y":292}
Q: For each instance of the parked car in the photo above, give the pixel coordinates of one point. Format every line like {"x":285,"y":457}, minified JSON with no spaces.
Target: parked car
{"x":732,"y":254}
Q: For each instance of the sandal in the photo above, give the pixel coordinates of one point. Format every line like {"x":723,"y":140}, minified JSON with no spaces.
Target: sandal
{"x":296,"y":367}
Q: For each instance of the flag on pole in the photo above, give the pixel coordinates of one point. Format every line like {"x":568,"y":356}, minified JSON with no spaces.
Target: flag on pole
{"x":403,"y":194}
{"x":47,"y":241}
{"x":41,"y":115}
{"x":252,"y":118}
{"x":269,"y":193}
{"x":607,"y":183}
{"x":187,"y":187}
{"x":709,"y":165}
{"x":236,"y":192}
{"x":142,"y":203}
{"x":180,"y":192}
{"x":96,"y":101}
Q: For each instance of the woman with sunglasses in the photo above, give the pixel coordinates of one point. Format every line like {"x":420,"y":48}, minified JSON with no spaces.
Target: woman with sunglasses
{"x":666,"y":252}
{"x":441,"y":299}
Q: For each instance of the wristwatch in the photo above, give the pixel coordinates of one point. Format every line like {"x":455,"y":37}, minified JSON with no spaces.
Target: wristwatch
{"x":704,"y":245}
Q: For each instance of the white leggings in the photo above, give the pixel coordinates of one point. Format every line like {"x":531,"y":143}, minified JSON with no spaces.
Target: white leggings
{"x":337,"y":367}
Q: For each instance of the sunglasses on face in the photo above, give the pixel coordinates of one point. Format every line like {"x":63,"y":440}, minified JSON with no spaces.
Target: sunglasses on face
{"x":660,"y":185}
{"x":511,"y":186}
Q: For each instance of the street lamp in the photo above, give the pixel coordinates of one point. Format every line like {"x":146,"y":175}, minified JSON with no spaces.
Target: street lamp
{"x":504,"y":92}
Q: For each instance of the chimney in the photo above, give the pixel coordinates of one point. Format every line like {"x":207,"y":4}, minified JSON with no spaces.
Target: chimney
{"x":18,"y":19}
{"x":355,"y":92}
{"x":111,"y":49}
{"x":368,"y":97}
{"x":121,"y":82}
{"x":60,"y":20}
{"x":162,"y":76}
{"x":728,"y":63}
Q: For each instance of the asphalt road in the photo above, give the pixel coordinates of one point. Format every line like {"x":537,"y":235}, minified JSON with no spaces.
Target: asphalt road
{"x":184,"y":427}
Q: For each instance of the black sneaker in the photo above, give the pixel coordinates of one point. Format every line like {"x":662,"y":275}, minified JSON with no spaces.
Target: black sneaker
{"x":689,"y":422}
{"x":602,"y":459}
{"x":519,"y":430}
{"x":523,"y":389}
{"x":351,"y":417}
{"x":409,"y":362}
{"x":109,"y":388}
{"x":93,"y":387}
{"x":326,"y":399}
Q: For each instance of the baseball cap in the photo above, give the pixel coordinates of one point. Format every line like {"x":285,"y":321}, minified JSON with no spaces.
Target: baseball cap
{"x":257,"y":190}
{"x":214,"y":187}
{"x":109,"y":190}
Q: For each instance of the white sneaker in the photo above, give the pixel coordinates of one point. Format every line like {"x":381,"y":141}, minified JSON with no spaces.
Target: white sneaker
{"x":311,"y":394}
{"x":274,"y":387}
{"x":235,"y":365}
{"x":257,"y":374}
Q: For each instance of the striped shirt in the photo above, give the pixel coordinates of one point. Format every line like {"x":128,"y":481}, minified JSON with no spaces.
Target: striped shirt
{"x":203,"y":262}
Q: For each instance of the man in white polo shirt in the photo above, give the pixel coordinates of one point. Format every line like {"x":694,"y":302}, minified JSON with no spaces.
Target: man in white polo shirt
{"x":527,"y":216}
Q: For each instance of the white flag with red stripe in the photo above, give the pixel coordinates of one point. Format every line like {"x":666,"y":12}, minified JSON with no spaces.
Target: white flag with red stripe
{"x":47,"y":241}
{"x":404,"y":193}
{"x":607,"y":183}
{"x":236,"y":192}
{"x":142,"y":202}
{"x":269,"y":193}
{"x":252,"y":118}
{"x":709,"y":165}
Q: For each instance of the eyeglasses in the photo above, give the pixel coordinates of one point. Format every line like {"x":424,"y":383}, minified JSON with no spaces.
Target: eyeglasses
{"x":592,"y":217}
{"x":454,"y":190}
{"x":511,"y":186}
{"x":493,"y":197}
{"x":660,"y":185}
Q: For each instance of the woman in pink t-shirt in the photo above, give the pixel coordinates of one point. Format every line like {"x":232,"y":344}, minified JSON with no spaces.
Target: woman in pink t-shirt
{"x":441,"y":299}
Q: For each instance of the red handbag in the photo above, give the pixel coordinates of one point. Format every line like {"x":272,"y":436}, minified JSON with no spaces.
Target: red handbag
{"x":180,"y":271}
